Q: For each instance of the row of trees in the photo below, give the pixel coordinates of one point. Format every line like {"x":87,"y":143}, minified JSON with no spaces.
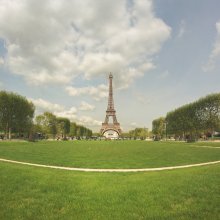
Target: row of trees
{"x":190,"y":121}
{"x":16,"y":117}
{"x":53,"y":126}
{"x":137,"y":133}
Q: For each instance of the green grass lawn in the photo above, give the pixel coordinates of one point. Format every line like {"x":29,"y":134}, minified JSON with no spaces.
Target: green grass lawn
{"x":109,"y":154}
{"x":43,"y":193}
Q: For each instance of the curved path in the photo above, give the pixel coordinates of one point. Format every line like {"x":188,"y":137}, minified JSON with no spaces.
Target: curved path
{"x":204,"y":146}
{"x":111,"y":170}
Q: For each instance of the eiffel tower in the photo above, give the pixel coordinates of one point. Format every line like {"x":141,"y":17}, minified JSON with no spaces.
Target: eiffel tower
{"x":110,"y":130}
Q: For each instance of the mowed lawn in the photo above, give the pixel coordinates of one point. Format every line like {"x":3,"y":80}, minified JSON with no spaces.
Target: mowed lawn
{"x":110,"y":154}
{"x":42,"y":193}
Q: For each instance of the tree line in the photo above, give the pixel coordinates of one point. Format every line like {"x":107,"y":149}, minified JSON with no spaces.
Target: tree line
{"x":191,"y":121}
{"x":59,"y":127}
{"x":137,"y":133}
{"x":17,"y":118}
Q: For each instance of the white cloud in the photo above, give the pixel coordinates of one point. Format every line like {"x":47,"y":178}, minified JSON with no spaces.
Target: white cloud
{"x":43,"y":105}
{"x":88,"y":121}
{"x":55,"y":41}
{"x":96,"y":93}
{"x":70,"y":113}
{"x":61,"y":111}
{"x":215,"y":54}
{"x":84,"y":106}
{"x":2,"y":61}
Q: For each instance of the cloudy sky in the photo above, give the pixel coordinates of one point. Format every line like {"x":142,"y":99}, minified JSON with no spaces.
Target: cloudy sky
{"x":162,"y":53}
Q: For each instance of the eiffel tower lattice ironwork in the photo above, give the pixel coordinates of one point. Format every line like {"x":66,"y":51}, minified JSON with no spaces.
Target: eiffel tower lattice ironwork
{"x":110,"y":112}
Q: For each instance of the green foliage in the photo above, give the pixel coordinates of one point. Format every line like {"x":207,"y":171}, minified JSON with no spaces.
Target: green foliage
{"x":96,"y":134}
{"x":192,"y":120}
{"x":208,"y":112}
{"x":46,"y":123}
{"x":63,"y":125}
{"x":16,"y":113}
{"x":137,"y":133}
{"x":82,"y":131}
{"x":49,"y":124}
{"x":126,"y":135}
{"x":158,"y":127}
{"x":73,"y":127}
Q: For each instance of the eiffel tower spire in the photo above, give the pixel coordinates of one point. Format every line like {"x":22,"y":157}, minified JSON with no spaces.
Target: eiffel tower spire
{"x":109,"y":129}
{"x":110,"y":96}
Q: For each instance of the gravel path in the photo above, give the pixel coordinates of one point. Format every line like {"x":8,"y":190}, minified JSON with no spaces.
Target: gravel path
{"x":111,"y":170}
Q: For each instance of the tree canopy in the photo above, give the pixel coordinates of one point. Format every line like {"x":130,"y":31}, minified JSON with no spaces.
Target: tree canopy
{"x":46,"y":123}
{"x":137,"y":133}
{"x":16,"y":113}
{"x":158,"y":127}
{"x":51,"y":125}
{"x":16,"y":117}
{"x":194,"y":119}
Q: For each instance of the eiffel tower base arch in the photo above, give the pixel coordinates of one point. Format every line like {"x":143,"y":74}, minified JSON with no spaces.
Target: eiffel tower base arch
{"x":110,"y":131}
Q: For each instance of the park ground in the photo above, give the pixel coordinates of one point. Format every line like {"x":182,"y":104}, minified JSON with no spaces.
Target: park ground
{"x":42,"y":193}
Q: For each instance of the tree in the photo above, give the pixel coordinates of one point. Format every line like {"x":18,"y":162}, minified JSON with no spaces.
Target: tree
{"x":63,"y":125}
{"x":82,"y":131}
{"x":73,"y":129}
{"x":47,"y":123}
{"x":141,"y":133}
{"x":16,"y":113}
{"x":158,"y":127}
{"x":208,"y":112}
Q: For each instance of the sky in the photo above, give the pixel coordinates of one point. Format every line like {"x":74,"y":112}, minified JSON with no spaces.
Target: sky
{"x":58,"y":54}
